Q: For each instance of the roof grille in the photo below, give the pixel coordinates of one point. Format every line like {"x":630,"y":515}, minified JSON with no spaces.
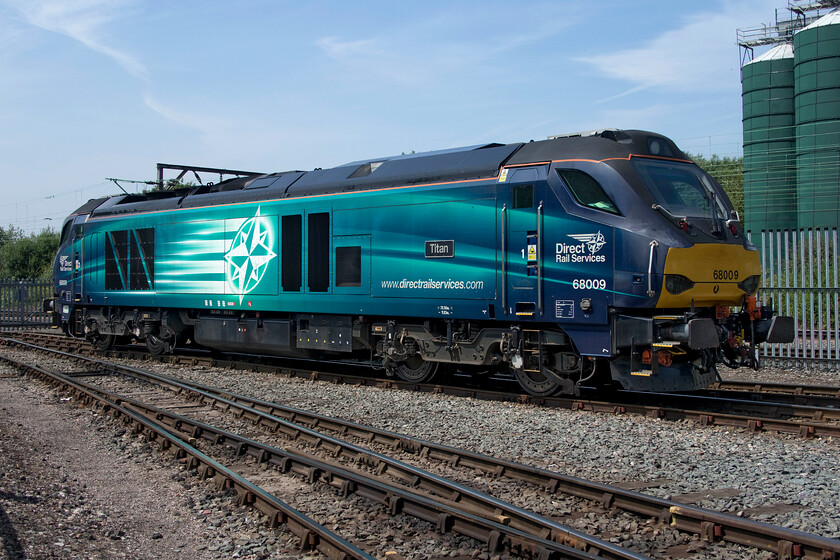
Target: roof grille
{"x":613,"y":134}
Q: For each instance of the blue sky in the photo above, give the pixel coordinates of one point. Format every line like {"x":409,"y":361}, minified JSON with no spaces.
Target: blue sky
{"x":107,"y":88}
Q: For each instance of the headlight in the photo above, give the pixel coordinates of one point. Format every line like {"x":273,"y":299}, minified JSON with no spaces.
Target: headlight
{"x":676,"y":284}
{"x":750,"y":285}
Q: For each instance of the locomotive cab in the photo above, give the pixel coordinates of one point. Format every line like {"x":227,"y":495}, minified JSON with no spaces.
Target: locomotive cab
{"x":649,"y":262}
{"x":67,"y":270}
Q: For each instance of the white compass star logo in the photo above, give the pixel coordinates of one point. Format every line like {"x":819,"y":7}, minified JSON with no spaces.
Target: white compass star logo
{"x":594,"y":241}
{"x":249,"y":254}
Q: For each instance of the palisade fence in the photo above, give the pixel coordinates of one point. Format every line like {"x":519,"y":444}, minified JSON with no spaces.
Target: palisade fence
{"x":800,"y":276}
{"x":22,"y":304}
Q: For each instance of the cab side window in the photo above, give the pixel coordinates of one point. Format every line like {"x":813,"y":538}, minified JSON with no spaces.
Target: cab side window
{"x":587,"y":191}
{"x":65,"y":233}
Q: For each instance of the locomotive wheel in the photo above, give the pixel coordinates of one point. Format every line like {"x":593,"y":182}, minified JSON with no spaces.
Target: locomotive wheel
{"x":416,"y":370}
{"x":157,"y":346}
{"x":102,"y":342}
{"x":537,"y":383}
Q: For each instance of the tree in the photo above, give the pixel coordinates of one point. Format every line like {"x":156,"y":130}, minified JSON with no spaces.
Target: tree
{"x":175,"y":184}
{"x":729,"y":173}
{"x":9,"y":234}
{"x":23,"y":258}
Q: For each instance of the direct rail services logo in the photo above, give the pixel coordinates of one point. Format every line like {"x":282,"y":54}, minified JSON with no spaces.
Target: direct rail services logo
{"x":585,"y":251}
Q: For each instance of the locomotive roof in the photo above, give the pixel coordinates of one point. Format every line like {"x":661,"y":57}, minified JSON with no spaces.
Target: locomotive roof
{"x":458,"y":164}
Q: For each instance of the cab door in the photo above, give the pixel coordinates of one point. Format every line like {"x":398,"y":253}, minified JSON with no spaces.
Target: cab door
{"x":522,"y":239}
{"x":77,"y":256}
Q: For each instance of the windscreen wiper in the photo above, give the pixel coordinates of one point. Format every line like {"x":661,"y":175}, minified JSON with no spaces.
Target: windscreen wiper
{"x":682,"y":221}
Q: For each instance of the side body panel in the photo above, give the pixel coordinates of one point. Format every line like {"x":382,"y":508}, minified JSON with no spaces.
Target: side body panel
{"x":430,"y":251}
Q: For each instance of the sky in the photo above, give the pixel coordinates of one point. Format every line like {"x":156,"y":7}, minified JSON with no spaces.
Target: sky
{"x":91,"y":89}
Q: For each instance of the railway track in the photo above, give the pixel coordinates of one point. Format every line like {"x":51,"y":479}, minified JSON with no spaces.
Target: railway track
{"x":802,"y":395}
{"x":452,"y":508}
{"x":313,"y":536}
{"x":300,"y":425}
{"x":704,"y":409}
{"x":821,"y":420}
{"x":778,"y":388}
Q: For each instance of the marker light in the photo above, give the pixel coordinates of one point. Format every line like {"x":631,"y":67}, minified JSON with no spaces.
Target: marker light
{"x":677,"y":284}
{"x":750,"y":284}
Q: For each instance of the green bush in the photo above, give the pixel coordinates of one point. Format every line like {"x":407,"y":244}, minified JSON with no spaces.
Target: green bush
{"x":27,"y":257}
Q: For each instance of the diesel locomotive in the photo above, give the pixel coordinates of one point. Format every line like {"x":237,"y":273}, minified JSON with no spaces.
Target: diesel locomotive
{"x":605,"y":259}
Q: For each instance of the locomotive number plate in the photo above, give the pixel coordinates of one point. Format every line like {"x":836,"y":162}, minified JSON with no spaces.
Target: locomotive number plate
{"x":725,"y":274}
{"x":440,"y":249}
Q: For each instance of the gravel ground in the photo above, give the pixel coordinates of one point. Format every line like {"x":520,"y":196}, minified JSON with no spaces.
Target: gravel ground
{"x":56,"y":461}
{"x":772,"y":374}
{"x":64,"y":493}
{"x":760,"y":470}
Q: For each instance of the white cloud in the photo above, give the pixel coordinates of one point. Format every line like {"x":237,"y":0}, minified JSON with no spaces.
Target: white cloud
{"x":424,"y":52}
{"x":701,"y":55}
{"x":224,"y":133}
{"x":83,"y":21}
{"x":345,"y":50}
{"x":9,"y":35}
{"x":210,"y":127}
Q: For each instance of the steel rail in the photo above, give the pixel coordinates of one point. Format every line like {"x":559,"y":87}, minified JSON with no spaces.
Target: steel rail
{"x":449,"y":515}
{"x":829,"y":404}
{"x":736,"y":387}
{"x":488,"y":506}
{"x":805,"y":429}
{"x":312,"y":535}
{"x":709,"y":524}
{"x":812,"y":428}
{"x":788,"y":388}
{"x":467,"y":498}
{"x":445,"y":514}
{"x":769,"y":409}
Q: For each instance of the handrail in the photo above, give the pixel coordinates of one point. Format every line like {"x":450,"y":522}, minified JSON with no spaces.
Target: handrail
{"x":539,"y":258}
{"x":650,"y":292}
{"x":504,"y":259}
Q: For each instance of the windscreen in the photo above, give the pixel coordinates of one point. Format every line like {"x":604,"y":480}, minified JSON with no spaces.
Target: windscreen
{"x":683,"y":189}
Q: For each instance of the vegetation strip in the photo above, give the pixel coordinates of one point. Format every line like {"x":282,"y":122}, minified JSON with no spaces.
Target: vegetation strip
{"x":313,"y":536}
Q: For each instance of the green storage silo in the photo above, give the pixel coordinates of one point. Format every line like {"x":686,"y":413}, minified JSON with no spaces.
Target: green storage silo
{"x":817,"y":106}
{"x":769,"y":144}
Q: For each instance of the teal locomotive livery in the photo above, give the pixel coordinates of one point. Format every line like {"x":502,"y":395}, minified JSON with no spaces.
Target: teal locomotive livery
{"x":601,"y":259}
